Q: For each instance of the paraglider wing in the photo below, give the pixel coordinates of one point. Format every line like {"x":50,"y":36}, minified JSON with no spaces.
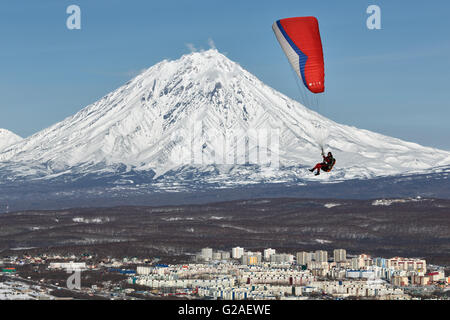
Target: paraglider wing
{"x":300,"y":40}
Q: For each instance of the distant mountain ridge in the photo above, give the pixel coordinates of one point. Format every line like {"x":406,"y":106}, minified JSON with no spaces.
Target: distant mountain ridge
{"x":141,"y":135}
{"x":8,"y":138}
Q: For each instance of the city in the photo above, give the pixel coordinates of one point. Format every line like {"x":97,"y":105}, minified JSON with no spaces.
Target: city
{"x":236,"y":274}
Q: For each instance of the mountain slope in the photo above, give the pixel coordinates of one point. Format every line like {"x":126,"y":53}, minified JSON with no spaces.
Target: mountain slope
{"x":7,"y":138}
{"x":149,"y":125}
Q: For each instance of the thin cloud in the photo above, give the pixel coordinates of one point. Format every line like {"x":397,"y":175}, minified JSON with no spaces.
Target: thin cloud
{"x":211,"y":44}
{"x":191,"y":47}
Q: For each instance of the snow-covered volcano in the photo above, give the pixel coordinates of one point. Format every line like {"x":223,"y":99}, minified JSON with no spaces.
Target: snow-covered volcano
{"x":147,"y":125}
{"x":8,"y":138}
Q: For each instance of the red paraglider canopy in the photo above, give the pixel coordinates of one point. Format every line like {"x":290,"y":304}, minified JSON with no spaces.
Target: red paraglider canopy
{"x":300,"y":40}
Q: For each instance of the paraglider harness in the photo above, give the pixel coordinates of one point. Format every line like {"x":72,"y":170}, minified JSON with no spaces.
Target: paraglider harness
{"x":327,"y":167}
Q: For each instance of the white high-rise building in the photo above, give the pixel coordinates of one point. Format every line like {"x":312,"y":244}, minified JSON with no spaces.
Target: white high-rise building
{"x":251,"y":258}
{"x":74,"y":266}
{"x":321,"y":256}
{"x":237,"y":253}
{"x":303,"y":258}
{"x":207,"y":254}
{"x":282,"y":258}
{"x":143,"y":270}
{"x":225,"y":255}
{"x":340,"y":255}
{"x":357,"y":263}
{"x":268,"y":253}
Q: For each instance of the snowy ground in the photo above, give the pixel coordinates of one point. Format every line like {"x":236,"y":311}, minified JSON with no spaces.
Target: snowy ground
{"x":15,"y":290}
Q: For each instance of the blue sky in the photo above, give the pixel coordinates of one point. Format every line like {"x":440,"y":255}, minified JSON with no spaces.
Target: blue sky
{"x":394,"y":81}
